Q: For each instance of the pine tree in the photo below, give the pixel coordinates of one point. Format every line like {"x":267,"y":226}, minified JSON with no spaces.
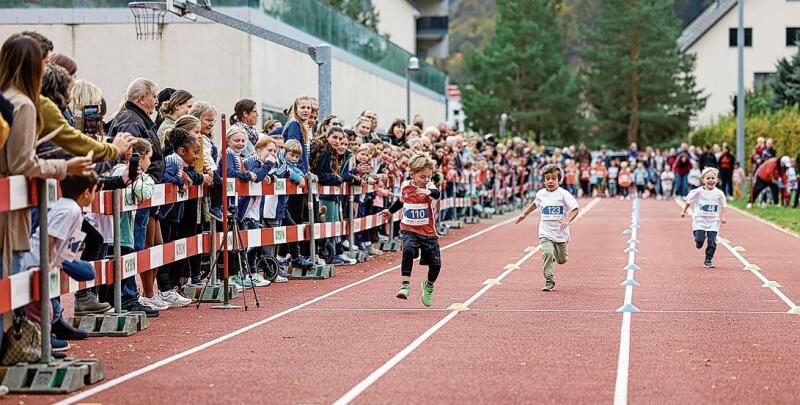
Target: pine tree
{"x":786,"y":84}
{"x":639,"y":86}
{"x":522,"y":71}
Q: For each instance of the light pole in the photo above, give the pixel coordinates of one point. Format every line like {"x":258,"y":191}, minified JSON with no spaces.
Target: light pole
{"x":503,"y":119}
{"x":413,"y":65}
{"x":740,"y":91}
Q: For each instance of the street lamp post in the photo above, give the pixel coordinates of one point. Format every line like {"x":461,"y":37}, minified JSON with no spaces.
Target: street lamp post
{"x":740,"y":91}
{"x":413,"y":65}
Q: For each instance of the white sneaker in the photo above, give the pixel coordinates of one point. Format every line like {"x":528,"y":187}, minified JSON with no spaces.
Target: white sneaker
{"x":280,"y":279}
{"x":153,"y":303}
{"x":259,"y":280}
{"x":174,"y":299}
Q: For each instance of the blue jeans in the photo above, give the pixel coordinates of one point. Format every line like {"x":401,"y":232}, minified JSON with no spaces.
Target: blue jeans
{"x":681,"y":185}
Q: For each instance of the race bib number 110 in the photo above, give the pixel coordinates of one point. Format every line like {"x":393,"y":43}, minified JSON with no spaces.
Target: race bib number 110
{"x":416,"y":214}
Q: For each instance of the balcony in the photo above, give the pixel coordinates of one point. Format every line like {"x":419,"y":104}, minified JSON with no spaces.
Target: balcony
{"x":432,"y":28}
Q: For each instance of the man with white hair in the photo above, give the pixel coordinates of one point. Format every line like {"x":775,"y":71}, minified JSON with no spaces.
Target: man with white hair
{"x":135,"y":118}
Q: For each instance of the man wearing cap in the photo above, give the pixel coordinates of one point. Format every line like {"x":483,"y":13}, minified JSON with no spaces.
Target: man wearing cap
{"x":767,"y":175}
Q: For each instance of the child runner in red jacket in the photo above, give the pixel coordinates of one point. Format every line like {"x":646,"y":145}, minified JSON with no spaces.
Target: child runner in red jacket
{"x":418,"y":226}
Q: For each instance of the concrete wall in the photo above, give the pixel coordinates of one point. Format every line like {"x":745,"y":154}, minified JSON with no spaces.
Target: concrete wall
{"x":716,"y":68}
{"x":398,"y":19}
{"x":222,"y":65}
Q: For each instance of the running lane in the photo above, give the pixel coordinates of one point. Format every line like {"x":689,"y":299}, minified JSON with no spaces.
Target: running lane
{"x":314,"y":354}
{"x":711,"y":335}
{"x":517,"y":344}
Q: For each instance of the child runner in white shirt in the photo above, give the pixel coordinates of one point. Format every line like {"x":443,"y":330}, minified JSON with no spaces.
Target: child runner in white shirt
{"x":559,"y":208}
{"x":709,"y":204}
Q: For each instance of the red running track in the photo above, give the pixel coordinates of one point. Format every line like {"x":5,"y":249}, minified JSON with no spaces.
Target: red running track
{"x":703,"y":336}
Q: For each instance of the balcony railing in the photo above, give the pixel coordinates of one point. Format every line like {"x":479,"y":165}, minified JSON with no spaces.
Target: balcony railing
{"x":432,"y":27}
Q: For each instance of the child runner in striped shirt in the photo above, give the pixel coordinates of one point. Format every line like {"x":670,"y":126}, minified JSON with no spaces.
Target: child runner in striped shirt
{"x":418,"y":225}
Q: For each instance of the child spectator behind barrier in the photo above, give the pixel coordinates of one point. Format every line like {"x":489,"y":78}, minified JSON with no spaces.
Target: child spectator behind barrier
{"x":64,"y":240}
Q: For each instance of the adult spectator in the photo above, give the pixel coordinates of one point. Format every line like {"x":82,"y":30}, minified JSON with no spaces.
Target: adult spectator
{"x":163,"y":96}
{"x":245,"y":116}
{"x":444,"y":132}
{"x":177,"y":106}
{"x":271,"y":126}
{"x":725,"y":165}
{"x":707,"y":159}
{"x":134,"y":118}
{"x":396,"y":134}
{"x":65,"y":62}
{"x":633,"y":152}
{"x":59,"y":130}
{"x":373,"y":121}
{"x":683,"y":165}
{"x":21,"y":65}
{"x":584,"y":157}
{"x":767,"y":176}
{"x":418,"y":121}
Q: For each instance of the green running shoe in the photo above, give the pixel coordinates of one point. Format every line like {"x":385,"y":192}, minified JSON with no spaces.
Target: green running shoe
{"x":404,"y":292}
{"x":427,"y":294}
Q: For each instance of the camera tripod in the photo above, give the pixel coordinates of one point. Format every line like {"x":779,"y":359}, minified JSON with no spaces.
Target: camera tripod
{"x":237,"y":248}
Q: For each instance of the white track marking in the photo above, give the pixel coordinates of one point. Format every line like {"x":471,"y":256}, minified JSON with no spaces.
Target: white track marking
{"x":377,"y":374}
{"x":133,"y":374}
{"x":623,"y":361}
{"x":792,"y":306}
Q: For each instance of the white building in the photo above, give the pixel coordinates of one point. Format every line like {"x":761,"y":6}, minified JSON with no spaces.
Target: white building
{"x":222,"y":65}
{"x":455,"y":110}
{"x":772,"y":28}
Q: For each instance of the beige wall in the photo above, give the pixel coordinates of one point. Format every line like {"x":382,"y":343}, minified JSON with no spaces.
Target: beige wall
{"x":716,"y":68}
{"x":221,"y":65}
{"x":398,"y":19}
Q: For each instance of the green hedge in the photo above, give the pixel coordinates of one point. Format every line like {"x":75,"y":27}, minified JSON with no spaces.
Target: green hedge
{"x":782,"y":126}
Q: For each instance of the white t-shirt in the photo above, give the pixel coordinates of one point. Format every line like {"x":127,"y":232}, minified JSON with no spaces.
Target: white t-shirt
{"x":707,"y":205}
{"x":64,"y":221}
{"x":694,"y":177}
{"x":666,"y":180}
{"x":554,"y":207}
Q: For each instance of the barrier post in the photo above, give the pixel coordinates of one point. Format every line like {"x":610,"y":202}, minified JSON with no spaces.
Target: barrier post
{"x":354,"y":253}
{"x":226,"y":295}
{"x":317,"y":270}
{"x":392,"y":245}
{"x":495,"y":206}
{"x":44,"y":272}
{"x":471,"y":195}
{"x":117,"y":252}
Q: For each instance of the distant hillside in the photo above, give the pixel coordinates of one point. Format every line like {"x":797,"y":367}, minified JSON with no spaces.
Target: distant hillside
{"x":472,"y":25}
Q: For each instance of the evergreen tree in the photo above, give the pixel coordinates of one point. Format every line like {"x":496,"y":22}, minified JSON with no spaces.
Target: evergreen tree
{"x":640,"y":87}
{"x":786,"y":84}
{"x":522,"y":71}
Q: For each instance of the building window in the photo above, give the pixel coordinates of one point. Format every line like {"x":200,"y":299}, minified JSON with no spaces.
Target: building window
{"x":762,"y":78}
{"x":748,"y":37}
{"x":792,"y":36}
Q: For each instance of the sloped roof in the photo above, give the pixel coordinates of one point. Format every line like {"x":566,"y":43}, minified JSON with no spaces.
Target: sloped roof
{"x":704,"y":22}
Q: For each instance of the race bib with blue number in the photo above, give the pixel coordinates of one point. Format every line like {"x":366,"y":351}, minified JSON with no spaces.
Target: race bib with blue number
{"x":707,"y":209}
{"x":416,"y":214}
{"x":552,"y":212}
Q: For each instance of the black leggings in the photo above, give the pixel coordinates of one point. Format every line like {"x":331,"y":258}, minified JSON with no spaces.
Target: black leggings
{"x":759,"y":186}
{"x":430,"y":255}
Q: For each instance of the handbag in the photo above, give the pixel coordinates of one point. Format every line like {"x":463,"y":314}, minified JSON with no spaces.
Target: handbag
{"x":22,"y":343}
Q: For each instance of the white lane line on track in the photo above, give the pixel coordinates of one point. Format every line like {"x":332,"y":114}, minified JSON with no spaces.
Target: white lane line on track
{"x":793,"y":308}
{"x":765,"y":222}
{"x":377,"y":374}
{"x":133,"y":374}
{"x":575,"y":311}
{"x":623,"y":361}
